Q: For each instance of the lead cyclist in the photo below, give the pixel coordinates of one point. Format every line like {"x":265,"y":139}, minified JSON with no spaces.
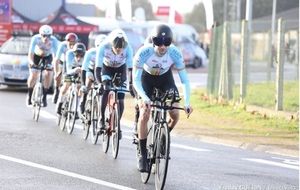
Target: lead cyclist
{"x":152,"y":69}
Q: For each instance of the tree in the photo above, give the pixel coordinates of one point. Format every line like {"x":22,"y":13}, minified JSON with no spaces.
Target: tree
{"x":146,"y":6}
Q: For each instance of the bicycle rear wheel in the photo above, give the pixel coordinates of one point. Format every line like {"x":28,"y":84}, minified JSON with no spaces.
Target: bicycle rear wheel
{"x":87,"y":120}
{"x":115,"y":119}
{"x":72,"y":112}
{"x":95,"y":117}
{"x":107,"y":133}
{"x":162,"y":157}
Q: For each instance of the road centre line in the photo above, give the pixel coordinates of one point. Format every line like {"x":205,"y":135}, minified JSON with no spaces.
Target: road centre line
{"x":272,"y":163}
{"x":63,"y":172}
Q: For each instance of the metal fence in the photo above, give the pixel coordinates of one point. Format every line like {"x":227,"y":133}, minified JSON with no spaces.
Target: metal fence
{"x":255,"y":54}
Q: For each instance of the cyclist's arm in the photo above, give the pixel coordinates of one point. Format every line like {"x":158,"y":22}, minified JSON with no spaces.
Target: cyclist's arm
{"x":99,"y":63}
{"x":180,"y":66}
{"x":129,"y":60}
{"x":138,"y":62}
{"x":69,"y":60}
{"x":31,"y":50}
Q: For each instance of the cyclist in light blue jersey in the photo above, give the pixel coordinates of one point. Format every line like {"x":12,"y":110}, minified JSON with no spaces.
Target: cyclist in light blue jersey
{"x":114,"y":56}
{"x":43,"y":47}
{"x":152,"y":69}
{"x":88,"y":67}
{"x":74,"y":58}
{"x":59,"y":67}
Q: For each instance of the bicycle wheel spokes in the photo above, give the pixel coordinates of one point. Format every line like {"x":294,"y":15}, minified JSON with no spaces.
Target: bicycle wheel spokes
{"x":36,"y":101}
{"x":116,"y":131}
{"x":94,"y":122}
{"x":162,"y":157}
{"x":87,"y":119}
{"x":72,"y":112}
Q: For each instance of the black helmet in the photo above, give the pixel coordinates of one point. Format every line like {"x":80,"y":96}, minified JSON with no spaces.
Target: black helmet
{"x":162,"y":35}
{"x":79,"y":49}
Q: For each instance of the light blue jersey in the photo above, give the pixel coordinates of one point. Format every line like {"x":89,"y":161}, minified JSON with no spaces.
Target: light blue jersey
{"x":105,"y":55}
{"x":89,"y":60}
{"x":61,"y":51}
{"x":147,"y":59}
{"x":43,"y":49}
{"x":71,"y":62}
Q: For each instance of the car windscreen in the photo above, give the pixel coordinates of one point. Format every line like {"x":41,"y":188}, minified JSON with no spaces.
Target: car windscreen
{"x":16,"y":46}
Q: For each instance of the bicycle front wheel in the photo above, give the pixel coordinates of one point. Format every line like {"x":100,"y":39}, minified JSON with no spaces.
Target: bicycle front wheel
{"x":95,"y":117}
{"x":87,"y":120}
{"x":107,"y":133}
{"x":36,"y":101}
{"x":162,"y":157}
{"x":115,"y":119}
{"x":72,"y":112}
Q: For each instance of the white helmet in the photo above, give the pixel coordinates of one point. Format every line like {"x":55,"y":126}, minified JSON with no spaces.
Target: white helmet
{"x":46,"y":30}
{"x":117,"y":38}
{"x":99,"y":39}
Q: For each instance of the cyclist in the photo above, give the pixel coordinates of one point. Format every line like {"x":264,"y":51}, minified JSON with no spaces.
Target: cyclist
{"x":148,"y":40}
{"x":114,"y":56}
{"x":87,"y":70}
{"x":42,"y":48}
{"x":74,"y":58}
{"x":70,"y":40}
{"x":152,"y":69}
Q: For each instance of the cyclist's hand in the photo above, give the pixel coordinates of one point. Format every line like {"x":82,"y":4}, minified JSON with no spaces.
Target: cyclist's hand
{"x":77,"y":70}
{"x":188,"y":110}
{"x":30,"y":64}
{"x":83,"y":88}
{"x":100,"y":90}
{"x":131,"y":90}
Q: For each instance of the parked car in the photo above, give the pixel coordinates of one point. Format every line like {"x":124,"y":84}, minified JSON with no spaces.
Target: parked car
{"x":192,"y":53}
{"x":14,"y":69}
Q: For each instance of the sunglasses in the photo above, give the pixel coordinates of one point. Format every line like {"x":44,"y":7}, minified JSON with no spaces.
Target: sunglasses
{"x":46,"y":35}
{"x":162,"y":41}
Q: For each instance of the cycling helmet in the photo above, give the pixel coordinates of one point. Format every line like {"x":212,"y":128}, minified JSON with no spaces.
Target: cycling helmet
{"x":148,"y":40}
{"x":46,"y":30}
{"x":79,"y":49}
{"x":162,"y":35}
{"x":71,"y":37}
{"x":99,"y":39}
{"x":118,"y":39}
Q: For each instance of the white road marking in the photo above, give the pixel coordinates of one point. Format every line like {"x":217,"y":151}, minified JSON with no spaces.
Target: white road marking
{"x":63,"y":172}
{"x":272,"y":163}
{"x":188,"y":147}
{"x":48,"y":115}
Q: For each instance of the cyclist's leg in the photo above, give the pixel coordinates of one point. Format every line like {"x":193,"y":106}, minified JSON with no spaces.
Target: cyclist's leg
{"x":62,"y":93}
{"x":48,"y":71}
{"x":32,"y":78}
{"x":57,"y":80}
{"x":88,"y":84}
{"x":104,"y":99}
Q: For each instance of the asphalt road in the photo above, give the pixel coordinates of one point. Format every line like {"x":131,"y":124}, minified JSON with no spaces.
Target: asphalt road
{"x":37,"y":155}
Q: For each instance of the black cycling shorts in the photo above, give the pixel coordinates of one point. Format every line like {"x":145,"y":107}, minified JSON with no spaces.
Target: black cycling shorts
{"x":162,"y":82}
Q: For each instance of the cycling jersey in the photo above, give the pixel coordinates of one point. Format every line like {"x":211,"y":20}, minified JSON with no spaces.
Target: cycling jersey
{"x":88,"y":63}
{"x":61,"y":51}
{"x":105,"y":55}
{"x":146,"y":59}
{"x":43,"y":49}
{"x":71,"y":62}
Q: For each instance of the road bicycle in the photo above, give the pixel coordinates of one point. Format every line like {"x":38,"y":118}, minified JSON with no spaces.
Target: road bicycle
{"x":91,"y":113}
{"x":158,"y":137}
{"x":37,"y":93}
{"x":69,"y":107}
{"x":112,"y":117}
